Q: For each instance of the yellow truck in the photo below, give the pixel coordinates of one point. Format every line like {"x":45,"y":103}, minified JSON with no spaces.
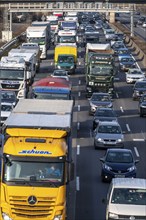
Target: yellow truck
{"x":66,"y":57}
{"x":37,"y":162}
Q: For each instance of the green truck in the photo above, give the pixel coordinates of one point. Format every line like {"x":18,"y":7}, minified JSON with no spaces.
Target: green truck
{"x":100,"y":69}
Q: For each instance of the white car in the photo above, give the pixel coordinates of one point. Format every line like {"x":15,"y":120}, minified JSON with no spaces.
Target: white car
{"x":61,"y":74}
{"x":144,"y":24}
{"x":6,"y":109}
{"x":134,"y":74}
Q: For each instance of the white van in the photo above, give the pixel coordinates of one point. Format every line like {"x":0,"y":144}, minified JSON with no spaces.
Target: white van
{"x":126,"y":199}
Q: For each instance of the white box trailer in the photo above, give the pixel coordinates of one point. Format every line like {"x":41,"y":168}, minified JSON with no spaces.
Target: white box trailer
{"x":29,"y":58}
{"x":38,"y":34}
{"x":34,"y":47}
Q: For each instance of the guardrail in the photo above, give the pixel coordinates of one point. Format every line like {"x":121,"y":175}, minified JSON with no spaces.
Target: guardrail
{"x":6,"y":46}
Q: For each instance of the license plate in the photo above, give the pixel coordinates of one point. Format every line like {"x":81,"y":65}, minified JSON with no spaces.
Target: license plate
{"x":119,"y":176}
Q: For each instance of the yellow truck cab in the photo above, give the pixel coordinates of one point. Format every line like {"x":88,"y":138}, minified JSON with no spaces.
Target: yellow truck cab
{"x":66,"y":57}
{"x":37,"y":162}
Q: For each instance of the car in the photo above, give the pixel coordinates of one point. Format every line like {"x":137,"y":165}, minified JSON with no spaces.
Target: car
{"x":127,"y":62}
{"x":139,"y":89}
{"x":122,"y":52}
{"x":108,"y":134}
{"x":142,"y":105}
{"x":103,"y":114}
{"x":144,"y":24}
{"x":109,"y":34}
{"x":98,"y":100}
{"x":126,"y":199}
{"x":134,"y":74}
{"x":61,"y":74}
{"x":118,"y":163}
{"x":8,"y":96}
{"x":6,"y":109}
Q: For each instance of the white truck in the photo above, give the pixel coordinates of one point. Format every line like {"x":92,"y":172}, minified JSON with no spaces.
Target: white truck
{"x":67,"y":37}
{"x":14,"y":75}
{"x":38,"y":34}
{"x":53,"y":22}
{"x":33,"y":47}
{"x":29,"y":57}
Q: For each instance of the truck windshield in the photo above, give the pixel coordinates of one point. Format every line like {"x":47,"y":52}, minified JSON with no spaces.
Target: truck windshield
{"x":39,"y":40}
{"x":67,"y":39}
{"x":129,"y":196}
{"x":12,"y":74}
{"x":65,"y":59}
{"x":62,"y":96}
{"x":95,"y":70}
{"x":18,"y":171}
{"x":54,"y":22}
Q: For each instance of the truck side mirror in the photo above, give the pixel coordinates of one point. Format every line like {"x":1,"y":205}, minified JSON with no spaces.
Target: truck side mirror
{"x":70,"y":172}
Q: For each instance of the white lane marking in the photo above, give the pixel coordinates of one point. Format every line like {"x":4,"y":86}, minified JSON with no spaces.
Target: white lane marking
{"x":79,"y":82}
{"x":78,"y":183}
{"x":121,"y":108}
{"x":128,"y":128}
{"x":117,"y":95}
{"x":78,"y":126}
{"x":79,"y":63}
{"x":138,"y":139}
{"x":79,"y":107}
{"x":79,"y":94}
{"x":78,"y":149}
{"x":136,"y":151}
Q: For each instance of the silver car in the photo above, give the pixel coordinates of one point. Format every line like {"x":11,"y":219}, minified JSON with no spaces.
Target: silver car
{"x":108,"y":134}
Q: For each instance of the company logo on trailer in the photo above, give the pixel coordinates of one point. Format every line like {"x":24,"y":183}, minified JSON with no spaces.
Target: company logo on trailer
{"x":35,"y":152}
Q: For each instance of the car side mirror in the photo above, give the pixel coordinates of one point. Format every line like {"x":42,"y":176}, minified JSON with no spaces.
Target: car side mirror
{"x":101,"y":159}
{"x":136,"y":161}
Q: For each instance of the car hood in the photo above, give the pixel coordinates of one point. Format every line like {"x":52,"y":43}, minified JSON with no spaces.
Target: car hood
{"x":135,"y":75}
{"x":109,"y":136}
{"x":119,"y":166}
{"x":132,"y":210}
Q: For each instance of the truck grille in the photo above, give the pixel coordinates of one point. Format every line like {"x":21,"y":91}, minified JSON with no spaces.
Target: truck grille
{"x":42,"y":209}
{"x":10,"y":86}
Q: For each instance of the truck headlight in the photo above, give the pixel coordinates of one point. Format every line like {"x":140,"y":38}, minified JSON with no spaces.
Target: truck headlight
{"x":113,"y":216}
{"x":71,"y":67}
{"x":5,"y":216}
{"x":91,"y":83}
{"x":58,"y":217}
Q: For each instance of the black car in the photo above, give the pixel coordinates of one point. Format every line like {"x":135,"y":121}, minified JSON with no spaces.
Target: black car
{"x":104,"y":114}
{"x":142,"y":105}
{"x":118,"y":163}
{"x":139,"y":89}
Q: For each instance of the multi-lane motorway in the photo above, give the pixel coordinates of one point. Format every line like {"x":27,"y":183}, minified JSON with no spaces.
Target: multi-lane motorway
{"x":87,"y":191}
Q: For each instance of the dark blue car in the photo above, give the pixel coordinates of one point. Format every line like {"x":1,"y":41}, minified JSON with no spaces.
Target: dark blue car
{"x":118,"y":163}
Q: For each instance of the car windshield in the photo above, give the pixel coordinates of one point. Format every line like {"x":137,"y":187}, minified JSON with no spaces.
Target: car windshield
{"x":7,"y":96}
{"x":13,"y":74}
{"x":6,"y":108}
{"x":135,"y":72}
{"x":109,"y":129}
{"x":140,"y":85}
{"x":119,"y":157}
{"x":127,"y":60}
{"x":102,"y":98}
{"x":129,"y":196}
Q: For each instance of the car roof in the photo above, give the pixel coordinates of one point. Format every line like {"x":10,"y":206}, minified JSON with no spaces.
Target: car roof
{"x":129,"y":183}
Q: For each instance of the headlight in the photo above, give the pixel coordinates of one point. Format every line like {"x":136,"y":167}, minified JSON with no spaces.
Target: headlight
{"x":119,"y":140}
{"x":58,"y":217}
{"x":107,"y":167}
{"x":59,"y":67}
{"x":91,"y":83}
{"x":113,"y":216}
{"x":71,"y":67}
{"x":5,"y":216}
{"x":136,"y":92}
{"x":131,"y":168}
{"x":110,"y":105}
{"x":100,"y":139}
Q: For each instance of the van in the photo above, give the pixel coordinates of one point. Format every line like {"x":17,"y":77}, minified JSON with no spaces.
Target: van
{"x":126,"y":199}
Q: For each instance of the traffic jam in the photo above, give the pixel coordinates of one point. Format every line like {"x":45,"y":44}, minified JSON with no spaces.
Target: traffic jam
{"x":73,"y":91}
